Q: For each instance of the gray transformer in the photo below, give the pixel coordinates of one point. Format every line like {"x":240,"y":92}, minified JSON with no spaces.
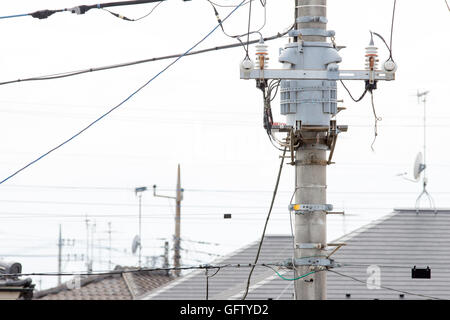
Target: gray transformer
{"x":312,"y":102}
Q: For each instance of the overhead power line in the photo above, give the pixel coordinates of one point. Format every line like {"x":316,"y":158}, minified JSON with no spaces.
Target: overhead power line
{"x":122,"y":102}
{"x":265,"y":225}
{"x":386,"y":288}
{"x":82,"y":9}
{"x":133,"y":63}
{"x":99,"y":273}
{"x":133,"y":20}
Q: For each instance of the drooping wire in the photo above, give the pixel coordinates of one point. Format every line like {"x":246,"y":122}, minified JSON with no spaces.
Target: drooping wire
{"x":133,"y":20}
{"x":389,"y":47}
{"x":376,"y":121}
{"x":265,"y":225}
{"x":122,"y":102}
{"x":128,"y":64}
{"x":447,"y":5}
{"x":44,"y":14}
{"x":207,"y":280}
{"x":225,"y":5}
{"x":238,"y":37}
{"x":386,"y":288}
{"x":350,"y":94}
{"x":290,"y":279}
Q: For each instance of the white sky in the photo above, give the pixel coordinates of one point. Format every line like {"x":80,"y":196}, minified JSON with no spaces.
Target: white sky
{"x":201,"y":115}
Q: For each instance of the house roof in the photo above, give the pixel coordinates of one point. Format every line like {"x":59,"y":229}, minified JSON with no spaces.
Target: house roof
{"x":395,"y":243}
{"x":119,"y":286}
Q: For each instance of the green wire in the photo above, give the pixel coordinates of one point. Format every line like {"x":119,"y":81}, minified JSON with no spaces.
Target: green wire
{"x":294,"y":278}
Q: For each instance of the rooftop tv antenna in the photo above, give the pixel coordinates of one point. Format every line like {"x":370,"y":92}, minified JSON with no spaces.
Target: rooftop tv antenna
{"x":420,"y":163}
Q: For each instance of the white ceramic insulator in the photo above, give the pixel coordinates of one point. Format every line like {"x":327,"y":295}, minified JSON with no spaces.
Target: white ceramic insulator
{"x":262,"y":53}
{"x":371,"y":51}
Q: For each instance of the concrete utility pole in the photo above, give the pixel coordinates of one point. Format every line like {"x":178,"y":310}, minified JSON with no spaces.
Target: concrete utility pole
{"x":110,"y":247}
{"x":138,"y":192}
{"x":308,"y":98}
{"x":166,"y":254}
{"x":177,"y":236}
{"x":311,"y":158}
{"x":60,"y":245}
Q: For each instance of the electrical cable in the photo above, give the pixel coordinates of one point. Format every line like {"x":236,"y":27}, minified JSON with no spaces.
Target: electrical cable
{"x":238,"y":37}
{"x":127,"y":64}
{"x":386,"y":288}
{"x":392,"y":29}
{"x":225,"y":5}
{"x":133,"y":20}
{"x":389,"y":47}
{"x":265,"y":225}
{"x":349,"y":93}
{"x":122,"y":102}
{"x":109,"y":272}
{"x":290,"y":279}
{"x":447,"y":5}
{"x":249,"y":24}
{"x":376,"y":121}
{"x":207,"y":280}
{"x":44,"y":14}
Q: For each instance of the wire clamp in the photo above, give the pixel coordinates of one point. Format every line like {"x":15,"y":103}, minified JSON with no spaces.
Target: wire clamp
{"x":312,"y":262}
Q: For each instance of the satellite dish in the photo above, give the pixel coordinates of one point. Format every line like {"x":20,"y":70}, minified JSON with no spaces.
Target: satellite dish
{"x":136,"y":244}
{"x":418,"y":166}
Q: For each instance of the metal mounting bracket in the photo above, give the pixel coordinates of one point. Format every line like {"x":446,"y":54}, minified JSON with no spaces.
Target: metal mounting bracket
{"x":290,"y":74}
{"x":317,"y":262}
{"x":302,"y":208}
{"x":312,"y":262}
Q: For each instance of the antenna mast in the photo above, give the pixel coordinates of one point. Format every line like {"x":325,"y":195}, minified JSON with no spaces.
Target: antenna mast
{"x":422,"y":97}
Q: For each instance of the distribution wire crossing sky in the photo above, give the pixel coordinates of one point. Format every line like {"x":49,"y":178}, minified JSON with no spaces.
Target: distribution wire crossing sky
{"x":123,"y":101}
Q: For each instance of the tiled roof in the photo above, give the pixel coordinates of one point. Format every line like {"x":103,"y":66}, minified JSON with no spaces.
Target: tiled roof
{"x":125,"y":286}
{"x":395,"y":243}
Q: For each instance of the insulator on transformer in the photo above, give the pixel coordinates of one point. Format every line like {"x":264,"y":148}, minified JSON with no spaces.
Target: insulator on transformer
{"x":371,"y":56}
{"x":262,"y":55}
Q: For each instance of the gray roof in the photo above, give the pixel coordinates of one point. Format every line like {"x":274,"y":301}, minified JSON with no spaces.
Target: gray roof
{"x":119,"y":286}
{"x":395,"y":244}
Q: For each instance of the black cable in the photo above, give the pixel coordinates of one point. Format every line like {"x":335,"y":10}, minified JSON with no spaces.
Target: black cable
{"x":207,"y":280}
{"x":113,"y":272}
{"x":376,"y":121}
{"x":384,"y":41}
{"x":238,"y":37}
{"x":128,"y":64}
{"x":249,"y":23}
{"x":133,"y":20}
{"x":265,"y":225}
{"x":44,"y":14}
{"x":83,"y":9}
{"x":386,"y":288}
{"x":392,"y":28}
{"x":104,"y":115}
{"x":349,"y":93}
